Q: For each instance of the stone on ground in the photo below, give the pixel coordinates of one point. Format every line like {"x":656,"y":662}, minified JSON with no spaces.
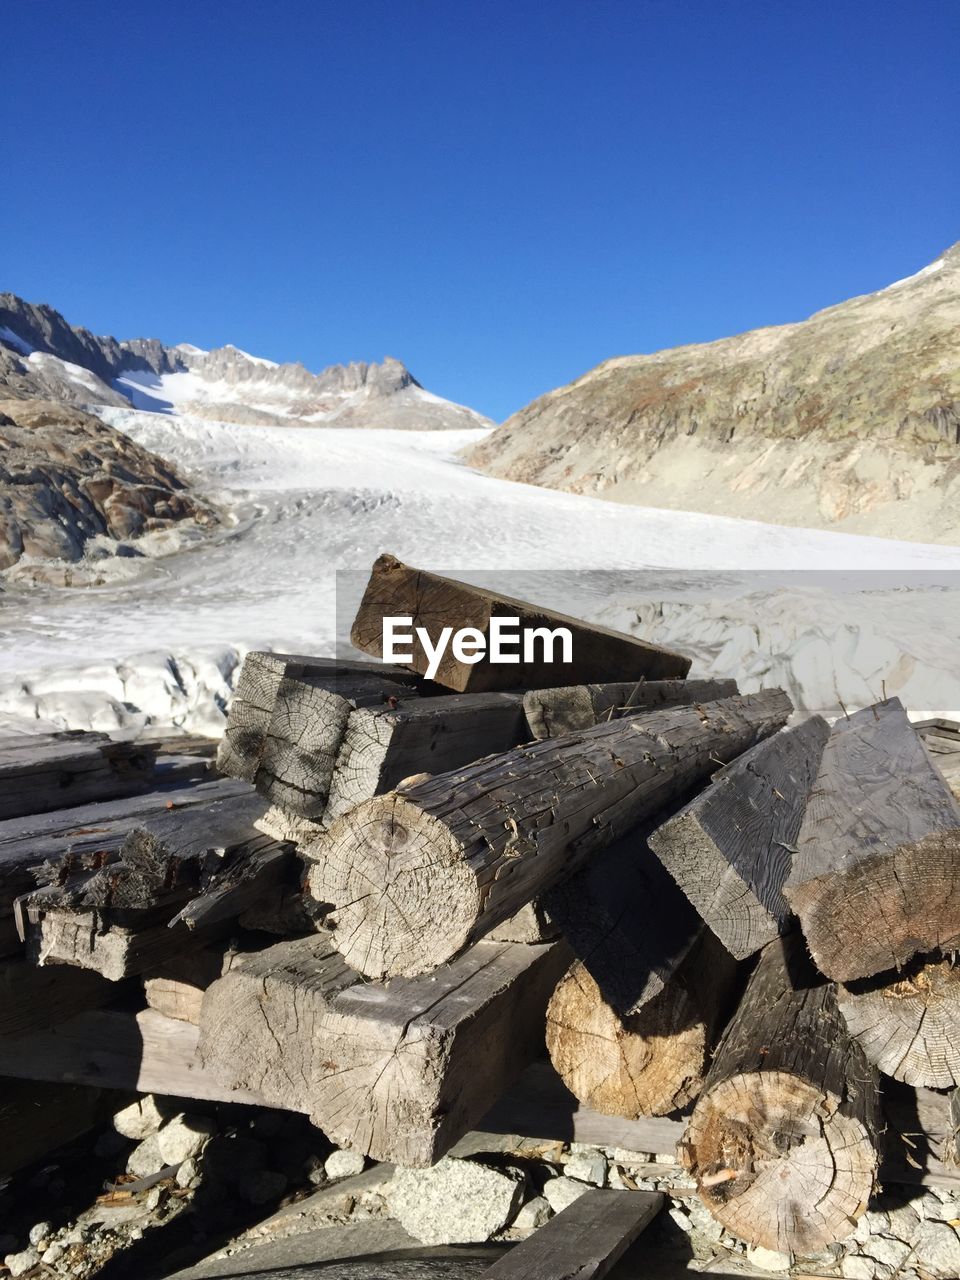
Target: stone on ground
{"x":560,"y":1193}
{"x":455,"y":1202}
{"x":184,"y":1137}
{"x":343,"y":1164}
{"x":140,"y":1119}
{"x":145,"y":1158}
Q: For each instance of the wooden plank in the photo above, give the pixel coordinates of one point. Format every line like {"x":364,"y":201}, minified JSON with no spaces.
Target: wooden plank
{"x":434,"y":602}
{"x":551,"y":712}
{"x":730,"y":848}
{"x":455,"y":855}
{"x":32,"y":998}
{"x":584,"y":1241}
{"x":399,"y":1072}
{"x":876,"y":876}
{"x":38,"y":774}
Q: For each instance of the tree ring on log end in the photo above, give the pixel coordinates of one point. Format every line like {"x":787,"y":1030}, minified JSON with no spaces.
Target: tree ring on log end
{"x":404,"y":900}
{"x":779,"y":1163}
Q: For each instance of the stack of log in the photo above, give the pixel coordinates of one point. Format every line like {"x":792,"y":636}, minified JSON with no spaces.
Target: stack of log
{"x":397,"y":890}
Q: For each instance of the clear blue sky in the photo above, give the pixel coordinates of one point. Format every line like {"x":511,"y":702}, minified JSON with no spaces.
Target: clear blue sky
{"x":500,"y":193}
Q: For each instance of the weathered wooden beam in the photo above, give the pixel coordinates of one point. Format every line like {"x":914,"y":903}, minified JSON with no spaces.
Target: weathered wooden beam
{"x":176,"y":988}
{"x":383,"y":745}
{"x":38,"y":1117}
{"x":651,"y":1062}
{"x":453,"y":856}
{"x":433,"y":603}
{"x":399,"y":1072}
{"x":584,"y":1241}
{"x":783,"y":1141}
{"x":730,"y":848}
{"x":876,"y":876}
{"x":551,"y":712}
{"x":47,"y":772}
{"x":33,"y":998}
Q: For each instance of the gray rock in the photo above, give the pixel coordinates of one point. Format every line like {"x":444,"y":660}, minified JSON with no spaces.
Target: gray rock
{"x":561,"y":1192}
{"x":152,"y":1199}
{"x":855,"y":1267}
{"x":140,"y":1119}
{"x":53,"y":1253}
{"x":184,"y":1137}
{"x":938,"y":1250}
{"x":41,"y":1231}
{"x":343,"y":1164}
{"x":18,"y":1263}
{"x":534,"y":1214}
{"x":455,"y":1202}
{"x":886,"y":1250}
{"x":187,"y":1172}
{"x":146,"y":1158}
{"x":767,"y":1259}
{"x":590,"y":1168}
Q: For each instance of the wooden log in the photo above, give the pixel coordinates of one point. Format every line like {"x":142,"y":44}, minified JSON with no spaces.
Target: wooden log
{"x":433,"y":603}
{"x":47,"y":772}
{"x":908,"y":1024}
{"x":584,"y":1241}
{"x":383,"y":745}
{"x":650,"y":1063}
{"x":285,"y":703}
{"x":398,"y":1072}
{"x":453,"y":856}
{"x":730,"y":848}
{"x":32,"y":999}
{"x":551,"y":712}
{"x":783,"y":1141}
{"x":37,"y":1118}
{"x":876,"y":876}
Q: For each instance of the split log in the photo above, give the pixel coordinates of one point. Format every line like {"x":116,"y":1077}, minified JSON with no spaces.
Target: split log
{"x":433,"y":603}
{"x":383,"y":745}
{"x":259,"y":685}
{"x":453,"y":856}
{"x":730,"y":848}
{"x":551,"y":712}
{"x":783,"y":1142}
{"x":32,"y":999}
{"x":285,"y":826}
{"x":908,"y":1024}
{"x":876,"y":876}
{"x":584,"y":1241}
{"x":650,"y":1063}
{"x":38,"y":774}
{"x":398,"y":1072}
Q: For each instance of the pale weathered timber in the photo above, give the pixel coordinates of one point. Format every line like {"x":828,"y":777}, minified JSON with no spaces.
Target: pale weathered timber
{"x":51,"y":771}
{"x":551,"y":712}
{"x":37,"y":1118}
{"x":876,"y":876}
{"x":282,"y":825}
{"x":652,"y":1062}
{"x":730,"y":848}
{"x":417,"y":875}
{"x":383,"y":745}
{"x":532,"y":923}
{"x":399,"y":1072}
{"x":32,"y":998}
{"x":626,"y":920}
{"x":783,"y":1141}
{"x":584,"y":1241}
{"x":433,"y":602}
{"x":176,"y":987}
{"x":908,"y":1023}
{"x":248,"y":722}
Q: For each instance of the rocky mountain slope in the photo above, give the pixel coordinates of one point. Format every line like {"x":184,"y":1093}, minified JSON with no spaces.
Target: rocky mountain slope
{"x":850,"y":420}
{"x":73,"y":488}
{"x":42,"y":355}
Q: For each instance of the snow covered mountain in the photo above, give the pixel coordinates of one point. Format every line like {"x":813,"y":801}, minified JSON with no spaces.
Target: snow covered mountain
{"x":42,"y":356}
{"x":849,"y":420}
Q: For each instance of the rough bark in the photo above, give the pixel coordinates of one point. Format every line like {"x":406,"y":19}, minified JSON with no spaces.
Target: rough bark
{"x":434,"y":602}
{"x":417,"y":875}
{"x":730,"y":848}
{"x":908,"y":1024}
{"x":551,"y":712}
{"x":650,"y":1063}
{"x":783,"y":1140}
{"x":398,"y":1072}
{"x":876,"y":876}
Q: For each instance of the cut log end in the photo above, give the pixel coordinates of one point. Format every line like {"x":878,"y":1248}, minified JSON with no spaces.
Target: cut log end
{"x":406,"y":900}
{"x":648,"y":1064}
{"x":779,"y":1163}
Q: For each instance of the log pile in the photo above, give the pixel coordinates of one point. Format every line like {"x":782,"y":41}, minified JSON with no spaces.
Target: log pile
{"x":394,"y":894}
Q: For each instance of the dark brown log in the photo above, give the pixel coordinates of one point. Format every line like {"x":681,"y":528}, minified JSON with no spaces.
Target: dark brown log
{"x":876,"y":876}
{"x":584,"y":1241}
{"x":551,"y":712}
{"x":908,"y":1023}
{"x":783,"y":1142}
{"x":399,"y":1072}
{"x":383,"y":745}
{"x":261,"y":683}
{"x":652,"y":1062}
{"x":419,"y":874}
{"x":434,"y":602}
{"x":47,"y":772}
{"x":730,"y":848}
